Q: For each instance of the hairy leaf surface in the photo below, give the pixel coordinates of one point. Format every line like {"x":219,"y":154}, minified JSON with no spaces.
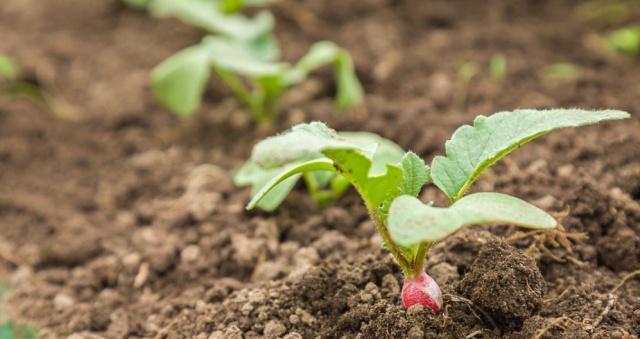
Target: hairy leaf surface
{"x":474,"y":148}
{"x":412,"y":222}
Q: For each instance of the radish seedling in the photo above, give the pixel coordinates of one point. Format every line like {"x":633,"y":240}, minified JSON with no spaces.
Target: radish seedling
{"x":389,"y":182}
{"x":252,"y":72}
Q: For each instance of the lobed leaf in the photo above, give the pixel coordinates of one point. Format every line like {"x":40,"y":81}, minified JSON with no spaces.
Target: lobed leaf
{"x":179,"y":81}
{"x":411,"y":222}
{"x":472,"y":149}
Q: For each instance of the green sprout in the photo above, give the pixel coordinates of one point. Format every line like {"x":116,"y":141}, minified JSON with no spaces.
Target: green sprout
{"x":9,"y":69}
{"x":251,"y":72}
{"x":562,"y":71}
{"x":390,"y":180}
{"x":13,"y":84}
{"x":466,"y":72}
{"x":625,"y":40}
{"x":8,"y":329}
{"x":498,"y":67}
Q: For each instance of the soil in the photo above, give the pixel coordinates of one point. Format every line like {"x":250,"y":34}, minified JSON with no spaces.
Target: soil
{"x":119,"y":220}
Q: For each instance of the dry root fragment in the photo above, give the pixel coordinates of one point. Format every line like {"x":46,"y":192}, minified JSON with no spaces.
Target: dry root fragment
{"x":611,"y":300}
{"x":557,"y":238}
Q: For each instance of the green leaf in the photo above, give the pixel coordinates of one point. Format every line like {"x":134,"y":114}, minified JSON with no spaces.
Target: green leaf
{"x":8,"y":68}
{"x":250,"y":174}
{"x":472,"y":149}
{"x":562,"y":71}
{"x":294,"y":170}
{"x":498,"y":67}
{"x":207,"y":15}
{"x":412,"y":222}
{"x":301,"y":142}
{"x":231,"y":6}
{"x":250,"y":59}
{"x":415,"y":174}
{"x":180,"y":80}
{"x":305,"y":142}
{"x":380,"y":150}
{"x":355,"y":166}
{"x":626,"y":40}
{"x":349,"y":90}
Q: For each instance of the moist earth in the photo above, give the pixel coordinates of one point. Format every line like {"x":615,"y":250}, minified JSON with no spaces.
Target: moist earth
{"x":119,"y":220}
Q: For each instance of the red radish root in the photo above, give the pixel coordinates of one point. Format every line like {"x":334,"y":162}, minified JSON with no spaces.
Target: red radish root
{"x":422,"y":290}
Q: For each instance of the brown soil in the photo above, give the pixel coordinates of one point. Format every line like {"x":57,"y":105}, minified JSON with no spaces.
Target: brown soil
{"x":119,"y":220}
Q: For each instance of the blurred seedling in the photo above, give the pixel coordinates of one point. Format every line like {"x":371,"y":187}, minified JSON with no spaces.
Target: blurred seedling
{"x":389,"y":181}
{"x":498,"y":67}
{"x":251,"y":70}
{"x":561,"y":71}
{"x":8,"y":329}
{"x":14,"y":84}
{"x":466,"y":72}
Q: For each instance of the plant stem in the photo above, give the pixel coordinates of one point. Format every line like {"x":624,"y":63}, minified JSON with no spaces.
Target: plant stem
{"x":245,"y":96}
{"x":421,"y":255}
{"x":393,"y":248}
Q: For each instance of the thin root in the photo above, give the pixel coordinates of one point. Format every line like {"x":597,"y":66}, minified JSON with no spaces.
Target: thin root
{"x":611,"y":299}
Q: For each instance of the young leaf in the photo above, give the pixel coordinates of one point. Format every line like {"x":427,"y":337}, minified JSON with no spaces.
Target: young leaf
{"x":294,"y":170}
{"x":242,"y":57}
{"x":250,"y":174}
{"x":355,"y":166}
{"x":179,"y":81}
{"x":415,"y":174}
{"x":412,"y":222}
{"x":206,"y":14}
{"x":301,"y":142}
{"x":380,"y":150}
{"x":472,"y":149}
{"x":349,"y":90}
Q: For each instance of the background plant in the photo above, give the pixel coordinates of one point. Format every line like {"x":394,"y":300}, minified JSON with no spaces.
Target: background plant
{"x":244,"y":54}
{"x":252,"y":72}
{"x":390,"y":188}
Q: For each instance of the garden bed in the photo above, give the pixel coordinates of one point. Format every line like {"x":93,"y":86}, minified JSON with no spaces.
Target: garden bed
{"x":120,"y":220}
